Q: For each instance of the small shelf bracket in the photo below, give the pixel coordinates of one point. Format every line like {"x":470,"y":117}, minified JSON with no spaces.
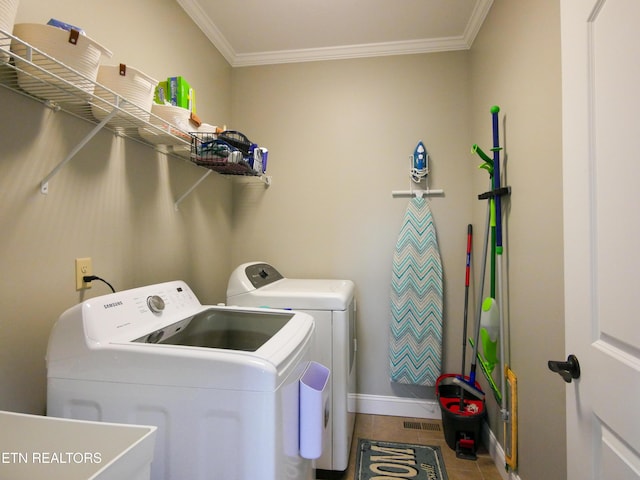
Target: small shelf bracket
{"x":265,"y":178}
{"x":193,"y":187}
{"x":416,"y":193}
{"x":44,"y":185}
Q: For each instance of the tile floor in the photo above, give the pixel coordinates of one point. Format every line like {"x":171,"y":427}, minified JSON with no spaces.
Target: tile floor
{"x":378,"y":427}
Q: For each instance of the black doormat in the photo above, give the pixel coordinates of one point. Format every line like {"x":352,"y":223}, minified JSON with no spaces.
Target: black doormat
{"x":377,"y":459}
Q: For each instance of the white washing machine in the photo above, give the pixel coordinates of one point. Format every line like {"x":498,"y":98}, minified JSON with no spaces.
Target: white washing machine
{"x":220,"y":383}
{"x":332,"y":305}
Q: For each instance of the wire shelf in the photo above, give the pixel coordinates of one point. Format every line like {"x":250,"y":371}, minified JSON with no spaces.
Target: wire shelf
{"x":26,"y":70}
{"x":31,"y":72}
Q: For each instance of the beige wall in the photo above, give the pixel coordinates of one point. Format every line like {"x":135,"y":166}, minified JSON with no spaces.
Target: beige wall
{"x":112,"y":202}
{"x":339,"y":136}
{"x":515,"y":63}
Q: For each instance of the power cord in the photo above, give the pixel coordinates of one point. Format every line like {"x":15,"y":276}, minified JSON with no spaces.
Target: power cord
{"x":91,"y":278}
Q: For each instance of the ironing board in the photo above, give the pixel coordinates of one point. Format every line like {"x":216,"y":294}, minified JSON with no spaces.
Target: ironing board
{"x":416,"y":299}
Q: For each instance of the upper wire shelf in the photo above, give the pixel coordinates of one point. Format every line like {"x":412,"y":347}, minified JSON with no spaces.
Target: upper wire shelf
{"x":62,"y":88}
{"x":35,"y":74}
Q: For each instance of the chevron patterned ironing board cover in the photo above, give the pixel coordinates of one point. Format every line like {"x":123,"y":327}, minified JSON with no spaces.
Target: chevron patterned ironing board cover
{"x":416,"y":299}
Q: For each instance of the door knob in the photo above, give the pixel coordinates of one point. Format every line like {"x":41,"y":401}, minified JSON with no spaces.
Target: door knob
{"x":567,"y":370}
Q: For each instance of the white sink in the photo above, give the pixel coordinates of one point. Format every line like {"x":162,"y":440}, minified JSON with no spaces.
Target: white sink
{"x":34,"y":447}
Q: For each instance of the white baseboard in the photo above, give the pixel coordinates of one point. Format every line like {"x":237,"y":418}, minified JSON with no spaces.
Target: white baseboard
{"x":420,"y":408}
{"x":497,"y":453}
{"x":395,"y":406}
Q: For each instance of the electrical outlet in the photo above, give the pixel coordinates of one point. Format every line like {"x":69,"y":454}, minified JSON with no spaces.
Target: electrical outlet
{"x":83,"y":267}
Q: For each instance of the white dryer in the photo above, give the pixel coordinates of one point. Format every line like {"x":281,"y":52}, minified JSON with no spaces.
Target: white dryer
{"x":220,"y":383}
{"x":332,"y":305}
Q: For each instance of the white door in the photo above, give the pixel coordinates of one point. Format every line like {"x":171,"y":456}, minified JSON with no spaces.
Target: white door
{"x":601,"y":168}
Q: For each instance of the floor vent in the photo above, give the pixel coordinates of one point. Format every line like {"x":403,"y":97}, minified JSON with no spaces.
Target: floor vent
{"x":432,"y":427}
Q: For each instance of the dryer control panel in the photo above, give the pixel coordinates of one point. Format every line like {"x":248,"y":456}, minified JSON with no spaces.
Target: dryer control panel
{"x":261,"y":274}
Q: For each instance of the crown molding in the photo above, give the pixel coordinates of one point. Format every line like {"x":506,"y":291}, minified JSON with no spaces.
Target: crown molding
{"x":464,"y":42}
{"x":202,"y":20}
{"x":476,"y":20}
{"x":350,"y":51}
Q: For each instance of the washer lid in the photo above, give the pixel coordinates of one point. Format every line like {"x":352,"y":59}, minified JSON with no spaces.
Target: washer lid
{"x":175,"y":341}
{"x":222,"y":328}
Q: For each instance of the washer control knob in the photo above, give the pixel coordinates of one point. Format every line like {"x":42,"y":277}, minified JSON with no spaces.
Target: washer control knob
{"x":155,"y":303}
{"x":155,"y":336}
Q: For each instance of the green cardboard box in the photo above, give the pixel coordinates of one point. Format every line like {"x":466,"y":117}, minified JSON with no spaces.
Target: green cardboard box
{"x":180,"y":93}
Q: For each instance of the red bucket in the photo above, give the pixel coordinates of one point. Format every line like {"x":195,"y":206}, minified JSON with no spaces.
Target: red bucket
{"x":462,"y":427}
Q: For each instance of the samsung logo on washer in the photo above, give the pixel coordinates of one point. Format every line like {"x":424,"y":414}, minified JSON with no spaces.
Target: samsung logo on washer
{"x":113,"y":304}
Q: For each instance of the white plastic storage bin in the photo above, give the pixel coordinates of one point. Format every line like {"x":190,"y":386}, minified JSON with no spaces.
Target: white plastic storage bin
{"x":176,"y":116}
{"x":172,"y":120}
{"x":69,"y":59}
{"x":129,"y":83}
{"x":8,"y":11}
{"x":314,"y":409}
